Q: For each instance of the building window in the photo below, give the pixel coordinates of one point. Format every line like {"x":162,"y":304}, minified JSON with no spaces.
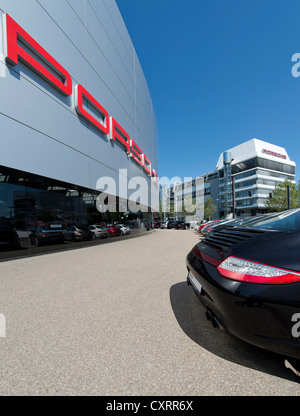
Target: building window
{"x":262,"y":163}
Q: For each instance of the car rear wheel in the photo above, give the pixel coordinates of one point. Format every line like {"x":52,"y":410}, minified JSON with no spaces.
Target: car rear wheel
{"x":35,"y":241}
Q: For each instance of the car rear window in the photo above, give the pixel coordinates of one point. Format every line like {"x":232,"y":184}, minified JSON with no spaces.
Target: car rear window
{"x":284,"y":221}
{"x":52,"y":227}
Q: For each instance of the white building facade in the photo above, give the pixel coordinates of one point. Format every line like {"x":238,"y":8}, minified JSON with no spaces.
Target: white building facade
{"x":255,"y":167}
{"x":244,"y":178}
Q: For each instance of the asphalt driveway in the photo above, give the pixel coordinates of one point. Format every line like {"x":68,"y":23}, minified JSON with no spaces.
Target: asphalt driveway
{"x":119,"y":319}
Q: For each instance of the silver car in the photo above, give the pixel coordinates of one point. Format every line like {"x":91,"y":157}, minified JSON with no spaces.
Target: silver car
{"x":124,"y":228}
{"x":98,"y":231}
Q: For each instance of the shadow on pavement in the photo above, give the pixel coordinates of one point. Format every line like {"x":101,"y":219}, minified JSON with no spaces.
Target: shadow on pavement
{"x":190,"y":315}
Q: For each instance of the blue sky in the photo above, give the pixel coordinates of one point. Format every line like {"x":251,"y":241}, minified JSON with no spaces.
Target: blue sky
{"x":219,"y":74}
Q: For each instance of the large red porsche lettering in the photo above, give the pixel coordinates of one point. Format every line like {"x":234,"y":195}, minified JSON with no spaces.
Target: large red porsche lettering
{"x":81,"y":93}
{"x":147,"y":165}
{"x":14,"y":51}
{"x":16,"y":44}
{"x":136,"y":153}
{"x":119,"y":134}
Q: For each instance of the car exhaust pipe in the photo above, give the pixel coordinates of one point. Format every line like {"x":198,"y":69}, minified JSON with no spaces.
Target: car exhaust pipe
{"x":214,"y":320}
{"x":208,"y":315}
{"x":215,"y":323}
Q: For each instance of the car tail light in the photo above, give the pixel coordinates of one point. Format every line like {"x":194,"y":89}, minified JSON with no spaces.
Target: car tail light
{"x":203,"y":256}
{"x":254,"y":272}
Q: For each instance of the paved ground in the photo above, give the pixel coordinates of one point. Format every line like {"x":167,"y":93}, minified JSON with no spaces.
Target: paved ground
{"x":119,"y":319}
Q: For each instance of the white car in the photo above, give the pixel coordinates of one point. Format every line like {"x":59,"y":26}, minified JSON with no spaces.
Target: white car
{"x":164,"y":224}
{"x":124,"y":228}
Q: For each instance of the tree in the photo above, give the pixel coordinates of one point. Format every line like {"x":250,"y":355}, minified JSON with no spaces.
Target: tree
{"x":188,"y":206}
{"x":209,"y":208}
{"x":278,"y":199}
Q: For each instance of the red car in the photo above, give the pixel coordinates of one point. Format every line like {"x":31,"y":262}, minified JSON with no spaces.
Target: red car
{"x":206,"y":229}
{"x":113,"y":231}
{"x":201,"y":226}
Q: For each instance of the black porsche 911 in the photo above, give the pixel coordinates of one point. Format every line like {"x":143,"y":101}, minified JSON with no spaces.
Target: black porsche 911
{"x":248,"y":279}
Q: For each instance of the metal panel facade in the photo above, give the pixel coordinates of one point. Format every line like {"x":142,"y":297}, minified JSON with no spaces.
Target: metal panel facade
{"x":41,"y":132}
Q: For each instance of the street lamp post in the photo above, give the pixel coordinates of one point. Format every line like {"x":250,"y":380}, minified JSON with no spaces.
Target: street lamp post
{"x":233,"y":198}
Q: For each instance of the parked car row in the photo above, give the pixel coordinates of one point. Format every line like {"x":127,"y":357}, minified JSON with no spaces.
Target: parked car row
{"x":176,"y":224}
{"x":200,"y":228}
{"x":215,"y":225}
{"x":58,"y":233}
{"x":246,"y":273}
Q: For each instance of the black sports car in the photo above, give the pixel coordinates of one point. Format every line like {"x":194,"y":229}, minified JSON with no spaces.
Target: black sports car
{"x":47,"y":233}
{"x":248,"y":279}
{"x":180,"y":225}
